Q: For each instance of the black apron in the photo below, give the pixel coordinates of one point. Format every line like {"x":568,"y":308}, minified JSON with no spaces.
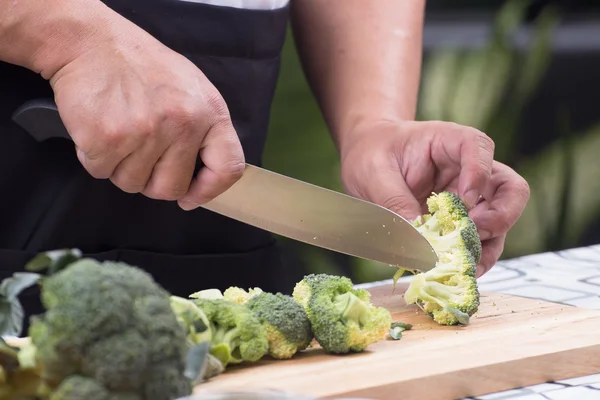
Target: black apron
{"x":48,"y":201}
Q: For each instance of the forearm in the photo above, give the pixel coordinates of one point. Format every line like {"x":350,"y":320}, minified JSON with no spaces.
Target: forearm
{"x":362,"y":59}
{"x":44,"y":35}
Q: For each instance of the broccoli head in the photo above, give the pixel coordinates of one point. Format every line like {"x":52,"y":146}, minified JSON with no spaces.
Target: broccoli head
{"x":109,"y":328}
{"x":287,"y":325}
{"x":343,"y":319}
{"x":448,"y":292}
{"x":236,"y":332}
{"x":239,"y":295}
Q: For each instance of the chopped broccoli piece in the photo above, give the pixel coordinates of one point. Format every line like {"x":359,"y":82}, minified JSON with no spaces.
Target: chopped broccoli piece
{"x":207,"y":294}
{"x":402,"y":325}
{"x":192,"y":319}
{"x":287,"y":325}
{"x":343,"y":319}
{"x":109,"y":325}
{"x":239,"y":295}
{"x":236,"y":333}
{"x":448,"y":292}
{"x":396,"y":333}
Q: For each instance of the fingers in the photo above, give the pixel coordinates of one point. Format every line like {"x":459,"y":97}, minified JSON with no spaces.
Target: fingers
{"x":224,"y":164}
{"x":386,"y":187}
{"x":100,"y":149}
{"x":492,"y":250}
{"x":476,"y":159}
{"x":509,"y":194}
{"x":133,"y":173}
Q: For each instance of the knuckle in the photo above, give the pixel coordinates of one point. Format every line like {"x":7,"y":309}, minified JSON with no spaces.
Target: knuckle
{"x":395,"y":202}
{"x":167,"y":188}
{"x":217,"y":105}
{"x":233,"y":169}
{"x":483,"y":141}
{"x":182,"y":113}
{"x":522,"y":188}
{"x":111,"y":136}
{"x":168,"y":193}
{"x":144,"y":127}
{"x":128,"y":185}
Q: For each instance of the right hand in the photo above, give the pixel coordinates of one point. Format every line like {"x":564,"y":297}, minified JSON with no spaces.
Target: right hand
{"x":140,"y":114}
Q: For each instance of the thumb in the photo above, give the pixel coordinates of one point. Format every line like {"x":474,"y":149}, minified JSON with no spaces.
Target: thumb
{"x":476,"y":159}
{"x":389,"y":190}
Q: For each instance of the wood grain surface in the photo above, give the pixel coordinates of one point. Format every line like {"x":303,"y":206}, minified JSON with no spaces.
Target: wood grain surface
{"x":511,"y":342}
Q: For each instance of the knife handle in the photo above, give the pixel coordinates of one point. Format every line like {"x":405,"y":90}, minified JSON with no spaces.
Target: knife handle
{"x":41,"y":119}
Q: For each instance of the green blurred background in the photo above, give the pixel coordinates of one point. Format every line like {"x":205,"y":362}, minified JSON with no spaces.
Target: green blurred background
{"x":525,"y":72}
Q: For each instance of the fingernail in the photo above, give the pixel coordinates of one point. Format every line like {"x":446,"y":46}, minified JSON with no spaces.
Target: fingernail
{"x":471,"y":198}
{"x":187,"y":205}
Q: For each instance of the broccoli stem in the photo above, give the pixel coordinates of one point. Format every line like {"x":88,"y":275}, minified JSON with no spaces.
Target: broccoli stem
{"x":230,"y":338}
{"x":352,"y":308}
{"x":442,"y":272}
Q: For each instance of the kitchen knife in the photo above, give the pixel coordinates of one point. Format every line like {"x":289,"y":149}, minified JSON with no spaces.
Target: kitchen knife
{"x":290,"y":207}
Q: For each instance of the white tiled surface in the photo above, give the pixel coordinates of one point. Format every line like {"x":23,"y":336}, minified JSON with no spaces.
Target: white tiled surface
{"x":567,"y":277}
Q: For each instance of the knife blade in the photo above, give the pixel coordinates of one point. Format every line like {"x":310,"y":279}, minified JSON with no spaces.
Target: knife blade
{"x":290,"y":207}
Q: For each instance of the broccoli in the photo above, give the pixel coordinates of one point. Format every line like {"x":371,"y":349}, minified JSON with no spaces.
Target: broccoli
{"x":448,"y":292}
{"x":19,"y":373}
{"x":239,"y":295}
{"x":286,"y":323}
{"x":109,"y":328}
{"x":343,"y":319}
{"x":236,"y":333}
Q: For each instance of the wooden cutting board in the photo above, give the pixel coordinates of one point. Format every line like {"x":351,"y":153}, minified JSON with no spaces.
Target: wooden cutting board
{"x":511,"y":342}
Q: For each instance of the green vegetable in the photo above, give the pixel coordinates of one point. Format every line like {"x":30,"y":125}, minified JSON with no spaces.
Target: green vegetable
{"x":239,"y":295}
{"x":236,"y":333}
{"x":343,"y":319}
{"x":109,"y":330}
{"x":287,"y":325}
{"x":397,"y":328}
{"x":20,"y":373}
{"x":396,"y":333}
{"x":402,"y":325}
{"x":11,"y":310}
{"x":448,"y":292}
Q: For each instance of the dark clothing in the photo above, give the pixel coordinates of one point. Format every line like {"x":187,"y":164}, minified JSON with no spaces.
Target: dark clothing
{"x":50,"y":202}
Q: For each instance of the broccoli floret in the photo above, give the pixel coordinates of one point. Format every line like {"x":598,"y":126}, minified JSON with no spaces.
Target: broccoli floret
{"x":287,"y":325}
{"x":343,"y":319}
{"x":236,"y":333}
{"x":77,"y":387}
{"x":239,"y":295}
{"x":109,"y":323}
{"x":448,"y":292}
{"x":448,"y":226}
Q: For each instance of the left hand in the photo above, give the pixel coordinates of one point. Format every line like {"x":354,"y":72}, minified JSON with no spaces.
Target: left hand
{"x":398,"y":165}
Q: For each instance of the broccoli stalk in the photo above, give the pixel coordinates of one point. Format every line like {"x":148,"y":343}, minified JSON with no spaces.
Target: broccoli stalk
{"x":343,"y":318}
{"x":448,"y":292}
{"x":236,"y":333}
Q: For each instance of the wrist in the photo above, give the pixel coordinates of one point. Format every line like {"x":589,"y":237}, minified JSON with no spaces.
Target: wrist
{"x":44,"y":36}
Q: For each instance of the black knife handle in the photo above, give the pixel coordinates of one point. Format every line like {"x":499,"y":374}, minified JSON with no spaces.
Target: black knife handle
{"x":40,"y":118}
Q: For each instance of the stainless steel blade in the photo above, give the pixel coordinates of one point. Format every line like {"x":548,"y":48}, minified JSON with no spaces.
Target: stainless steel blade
{"x":324,"y":218}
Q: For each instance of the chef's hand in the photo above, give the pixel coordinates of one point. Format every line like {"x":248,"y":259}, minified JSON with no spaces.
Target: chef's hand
{"x":140,"y":114}
{"x":398,"y":165}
